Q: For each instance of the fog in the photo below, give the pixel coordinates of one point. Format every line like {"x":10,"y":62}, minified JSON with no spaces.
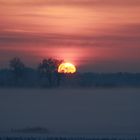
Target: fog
{"x":71,"y":111}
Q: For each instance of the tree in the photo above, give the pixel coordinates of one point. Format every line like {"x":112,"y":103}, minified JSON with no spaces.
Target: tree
{"x":49,"y":68}
{"x":17,"y":67}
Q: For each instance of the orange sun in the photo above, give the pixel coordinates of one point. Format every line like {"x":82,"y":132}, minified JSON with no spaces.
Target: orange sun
{"x":66,"y":68}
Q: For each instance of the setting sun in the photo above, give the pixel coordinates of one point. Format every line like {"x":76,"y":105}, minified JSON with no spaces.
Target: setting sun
{"x":66,"y":68}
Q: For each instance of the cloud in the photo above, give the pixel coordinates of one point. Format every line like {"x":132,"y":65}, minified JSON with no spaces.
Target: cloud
{"x":122,"y":36}
{"x":73,"y":2}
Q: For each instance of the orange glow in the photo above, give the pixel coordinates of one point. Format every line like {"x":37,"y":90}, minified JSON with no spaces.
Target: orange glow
{"x":66,"y":68}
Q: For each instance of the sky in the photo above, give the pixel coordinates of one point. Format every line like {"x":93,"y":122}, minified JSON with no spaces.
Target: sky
{"x":95,"y":35}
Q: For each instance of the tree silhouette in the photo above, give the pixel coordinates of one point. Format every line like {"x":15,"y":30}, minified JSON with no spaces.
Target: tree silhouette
{"x":17,"y":67}
{"x":49,"y":68}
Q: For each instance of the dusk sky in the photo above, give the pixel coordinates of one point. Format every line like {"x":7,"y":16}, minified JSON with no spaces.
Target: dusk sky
{"x":95,"y":35}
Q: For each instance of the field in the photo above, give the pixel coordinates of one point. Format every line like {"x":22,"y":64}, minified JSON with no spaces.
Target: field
{"x":71,"y":111}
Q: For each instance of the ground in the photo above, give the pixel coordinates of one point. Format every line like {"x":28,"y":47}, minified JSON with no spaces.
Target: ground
{"x":71,"y":111}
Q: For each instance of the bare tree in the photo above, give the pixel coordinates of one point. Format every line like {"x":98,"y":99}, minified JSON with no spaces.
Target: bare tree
{"x":17,"y":67}
{"x":49,"y":68}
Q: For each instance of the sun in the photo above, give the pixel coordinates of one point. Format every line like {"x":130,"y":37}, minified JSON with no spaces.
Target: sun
{"x":66,"y":68}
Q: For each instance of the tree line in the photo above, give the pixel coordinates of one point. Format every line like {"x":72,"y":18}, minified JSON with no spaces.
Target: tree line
{"x":46,"y":69}
{"x":47,"y":76}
